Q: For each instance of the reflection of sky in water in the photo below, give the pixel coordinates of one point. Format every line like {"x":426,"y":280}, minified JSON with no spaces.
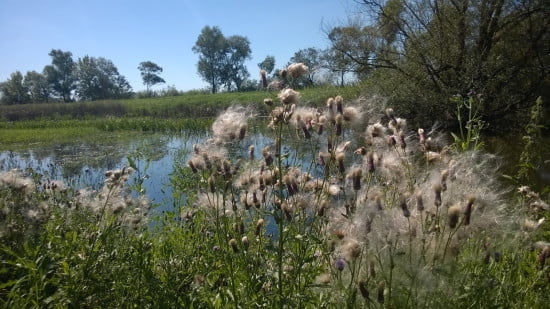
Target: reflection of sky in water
{"x":83,"y":165}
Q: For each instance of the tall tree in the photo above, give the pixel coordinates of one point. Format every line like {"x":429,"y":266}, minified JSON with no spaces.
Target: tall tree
{"x":438,"y":48}
{"x":150,"y":74}
{"x":211,"y":47}
{"x":221,"y":59}
{"x":13,"y":90}
{"x":60,"y":74}
{"x":238,"y":52}
{"x":37,"y":86}
{"x":98,"y":78}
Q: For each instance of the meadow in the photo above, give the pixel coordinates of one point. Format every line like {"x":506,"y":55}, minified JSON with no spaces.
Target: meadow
{"x":346,"y":206}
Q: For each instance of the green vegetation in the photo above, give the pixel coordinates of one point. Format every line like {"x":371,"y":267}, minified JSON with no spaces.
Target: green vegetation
{"x":184,"y":106}
{"x":328,"y":215}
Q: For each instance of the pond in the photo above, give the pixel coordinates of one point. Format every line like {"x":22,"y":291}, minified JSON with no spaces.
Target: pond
{"x":83,"y":164}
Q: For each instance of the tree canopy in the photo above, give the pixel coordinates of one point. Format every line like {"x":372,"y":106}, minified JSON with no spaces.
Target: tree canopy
{"x":221,"y":59}
{"x":150,"y":74}
{"x":98,"y":78}
{"x":426,"y":51}
{"x":60,"y":75}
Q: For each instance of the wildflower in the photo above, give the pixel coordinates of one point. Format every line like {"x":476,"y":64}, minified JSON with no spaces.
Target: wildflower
{"x":375,"y":130}
{"x":297,"y":70}
{"x":340,"y":264}
{"x":390,"y":114}
{"x":363,"y":289}
{"x":338,"y":120}
{"x":355,"y":176}
{"x":267,"y":156}
{"x":544,"y":254}
{"x":192,"y":166}
{"x":419,"y":201}
{"x":231,"y":124}
{"x":380,"y":292}
{"x":452,"y":215}
{"x":340,"y":234}
{"x":421,"y":136}
{"x":323,"y":279}
{"x":322,"y":208}
{"x":402,"y":140}
{"x":245,"y":242}
{"x":351,"y":249}
{"x":233,"y":244}
{"x":403,"y":205}
{"x":372,"y":270}
{"x":468,"y":209}
{"x":340,"y":161}
{"x":259,"y":225}
{"x":370,"y":162}
{"x":251,"y":152}
{"x":288,"y":96}
{"x":444,"y":174}
{"x":351,"y":114}
{"x":392,"y":141}
{"x":437,"y":192}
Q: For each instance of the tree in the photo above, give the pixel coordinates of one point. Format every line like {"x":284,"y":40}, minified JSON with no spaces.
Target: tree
{"x":337,"y":63}
{"x":434,"y":49}
{"x":221,"y":60}
{"x":13,"y":90}
{"x":311,"y":57}
{"x":60,"y":74}
{"x":149,"y":73}
{"x":98,"y":78}
{"x":268,"y":64}
{"x":37,"y":86}
{"x":211,"y":47}
{"x":235,"y":71}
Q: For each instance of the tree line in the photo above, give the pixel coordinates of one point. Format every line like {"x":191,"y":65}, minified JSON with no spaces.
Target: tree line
{"x":420,"y":54}
{"x":86,"y":79}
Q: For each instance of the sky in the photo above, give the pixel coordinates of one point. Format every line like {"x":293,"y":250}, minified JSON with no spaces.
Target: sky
{"x":128,"y":32}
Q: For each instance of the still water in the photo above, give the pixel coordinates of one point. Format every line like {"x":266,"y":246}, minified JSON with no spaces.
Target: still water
{"x":83,"y":164}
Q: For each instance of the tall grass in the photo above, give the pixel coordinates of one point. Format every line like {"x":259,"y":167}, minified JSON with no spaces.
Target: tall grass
{"x":192,"y":105}
{"x":345,"y":207}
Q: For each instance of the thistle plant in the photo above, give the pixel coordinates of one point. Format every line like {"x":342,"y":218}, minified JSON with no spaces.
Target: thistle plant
{"x":341,"y":205}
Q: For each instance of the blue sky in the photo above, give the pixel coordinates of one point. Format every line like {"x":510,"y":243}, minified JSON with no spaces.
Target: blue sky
{"x":128,"y":32}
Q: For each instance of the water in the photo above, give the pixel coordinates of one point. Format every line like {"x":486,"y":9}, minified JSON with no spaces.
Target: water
{"x":83,"y":165}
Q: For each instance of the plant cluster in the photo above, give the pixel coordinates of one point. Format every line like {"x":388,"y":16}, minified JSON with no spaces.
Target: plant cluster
{"x":343,"y":206}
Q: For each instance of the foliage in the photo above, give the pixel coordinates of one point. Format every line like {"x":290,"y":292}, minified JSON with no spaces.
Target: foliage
{"x":341,"y":206}
{"x":221,"y":59}
{"x":14,"y":90}
{"x":99,"y":79}
{"x":268,"y":64}
{"x":422,"y":52}
{"x":37,"y":86}
{"x":60,"y":74}
{"x":149,"y":73}
{"x":530,"y":159}
{"x":470,"y":127}
{"x":181,"y":106}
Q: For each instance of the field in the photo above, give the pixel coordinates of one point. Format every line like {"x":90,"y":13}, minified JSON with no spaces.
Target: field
{"x":346,"y":207}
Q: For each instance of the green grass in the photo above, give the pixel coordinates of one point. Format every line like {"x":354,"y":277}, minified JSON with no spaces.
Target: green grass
{"x":184,"y":106}
{"x":45,"y":132}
